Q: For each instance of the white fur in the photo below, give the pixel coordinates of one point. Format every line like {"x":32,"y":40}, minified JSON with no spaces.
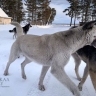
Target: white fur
{"x":51,"y":51}
{"x":18,"y":28}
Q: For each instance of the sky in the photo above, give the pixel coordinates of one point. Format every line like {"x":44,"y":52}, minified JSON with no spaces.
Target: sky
{"x":60,"y":5}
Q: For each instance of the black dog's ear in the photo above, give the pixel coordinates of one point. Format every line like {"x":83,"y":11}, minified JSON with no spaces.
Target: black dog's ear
{"x":88,"y":25}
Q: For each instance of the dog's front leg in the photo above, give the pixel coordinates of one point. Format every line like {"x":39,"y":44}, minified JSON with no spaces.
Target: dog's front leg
{"x":43,"y":73}
{"x":60,"y":74}
{"x":85,"y":75}
{"x":58,"y":71}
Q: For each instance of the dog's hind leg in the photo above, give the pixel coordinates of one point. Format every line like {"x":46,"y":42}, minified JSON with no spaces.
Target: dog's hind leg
{"x":85,"y":75}
{"x":8,"y":64}
{"x":58,"y":71}
{"x":43,"y":73}
{"x":77,"y":64}
{"x":26,"y":61}
{"x":13,"y":56}
{"x":11,"y":59}
{"x":14,"y":36}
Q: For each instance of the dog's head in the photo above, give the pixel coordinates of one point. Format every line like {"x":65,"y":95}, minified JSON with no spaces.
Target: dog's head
{"x":89,"y":29}
{"x":29,"y":25}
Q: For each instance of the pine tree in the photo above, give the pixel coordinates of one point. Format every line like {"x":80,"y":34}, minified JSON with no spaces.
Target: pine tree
{"x":84,"y":9}
{"x":70,"y":11}
{"x":93,"y":14}
{"x":36,"y":10}
{"x":14,"y":9}
{"x":19,"y":15}
{"x":45,"y":11}
{"x":52,"y":15}
{"x":31,"y":9}
{"x":73,"y":10}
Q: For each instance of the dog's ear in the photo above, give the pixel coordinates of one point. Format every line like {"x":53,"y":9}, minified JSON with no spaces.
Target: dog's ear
{"x":89,"y":25}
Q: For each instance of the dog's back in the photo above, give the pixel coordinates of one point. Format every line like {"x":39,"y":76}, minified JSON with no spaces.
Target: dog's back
{"x":89,"y":52}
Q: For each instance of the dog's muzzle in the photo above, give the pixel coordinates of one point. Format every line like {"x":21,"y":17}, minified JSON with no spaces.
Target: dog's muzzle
{"x":30,"y":25}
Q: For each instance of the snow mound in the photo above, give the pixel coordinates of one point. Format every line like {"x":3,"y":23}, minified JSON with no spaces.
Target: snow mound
{"x":44,"y":26}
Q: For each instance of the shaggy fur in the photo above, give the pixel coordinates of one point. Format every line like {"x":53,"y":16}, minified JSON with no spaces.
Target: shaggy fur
{"x":88,"y":55}
{"x":53,"y":51}
{"x":25,"y":30}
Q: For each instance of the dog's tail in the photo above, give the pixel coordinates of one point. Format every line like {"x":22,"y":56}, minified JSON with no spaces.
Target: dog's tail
{"x":10,"y":31}
{"x":18,"y":28}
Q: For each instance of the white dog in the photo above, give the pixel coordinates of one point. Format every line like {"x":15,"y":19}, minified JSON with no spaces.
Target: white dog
{"x":52,"y":51}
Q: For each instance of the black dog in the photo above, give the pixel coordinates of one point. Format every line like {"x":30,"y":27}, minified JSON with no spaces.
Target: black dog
{"x":25,"y":29}
{"x":88,"y":55}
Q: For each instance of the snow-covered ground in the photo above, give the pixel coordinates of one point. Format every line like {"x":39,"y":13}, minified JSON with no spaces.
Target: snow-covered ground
{"x":14,"y":85}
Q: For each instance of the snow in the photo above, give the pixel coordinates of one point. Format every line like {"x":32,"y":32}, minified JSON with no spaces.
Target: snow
{"x":14,"y":85}
{"x":42,"y":26}
{"x":3,"y":14}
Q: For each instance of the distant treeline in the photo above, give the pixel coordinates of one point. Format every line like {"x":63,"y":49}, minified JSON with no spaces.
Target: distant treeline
{"x":35,"y":11}
{"x":85,"y":10}
{"x":39,"y":11}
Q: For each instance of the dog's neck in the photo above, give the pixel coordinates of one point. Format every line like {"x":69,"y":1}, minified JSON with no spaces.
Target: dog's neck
{"x":73,"y":38}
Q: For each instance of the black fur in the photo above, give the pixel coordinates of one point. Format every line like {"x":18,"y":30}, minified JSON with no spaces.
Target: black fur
{"x":13,"y":30}
{"x":88,"y":25}
{"x":25,"y":29}
{"x":88,"y":52}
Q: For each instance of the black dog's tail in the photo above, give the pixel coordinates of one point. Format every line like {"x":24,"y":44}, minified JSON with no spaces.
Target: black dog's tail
{"x":10,"y":30}
{"x":18,"y":28}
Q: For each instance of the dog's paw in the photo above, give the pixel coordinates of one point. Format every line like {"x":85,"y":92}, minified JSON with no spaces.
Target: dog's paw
{"x":41,"y":87}
{"x":5,"y":73}
{"x":24,"y":77}
{"x":79,"y":79}
{"x":75,"y":91}
{"x":80,"y":87}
